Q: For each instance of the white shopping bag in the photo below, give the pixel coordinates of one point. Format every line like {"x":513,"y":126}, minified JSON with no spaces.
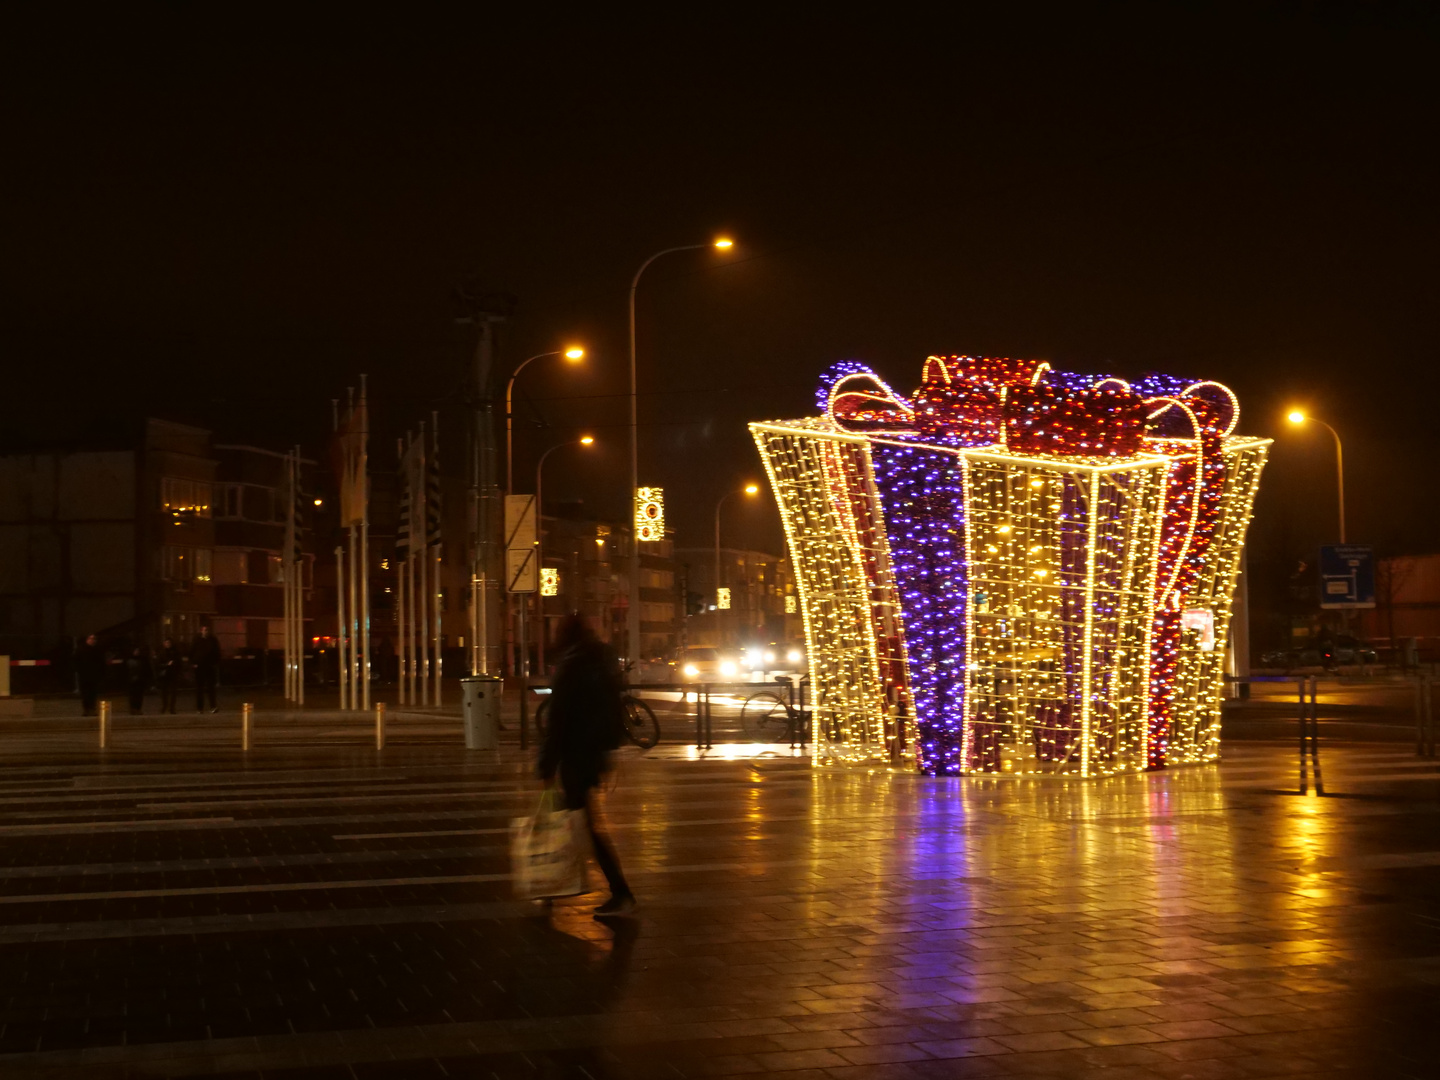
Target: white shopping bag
{"x":547,"y":854}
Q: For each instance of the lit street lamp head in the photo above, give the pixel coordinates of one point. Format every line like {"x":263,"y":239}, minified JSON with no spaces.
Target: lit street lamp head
{"x":752,"y":489}
{"x":724,"y":243}
{"x":575,"y":352}
{"x":1295,"y":416}
{"x":586,"y":440}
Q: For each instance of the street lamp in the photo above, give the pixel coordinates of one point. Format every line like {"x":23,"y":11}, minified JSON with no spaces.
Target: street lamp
{"x":632,"y":622}
{"x":749,"y":489}
{"x":584,"y":440}
{"x":574,"y":354}
{"x":1297,"y":417}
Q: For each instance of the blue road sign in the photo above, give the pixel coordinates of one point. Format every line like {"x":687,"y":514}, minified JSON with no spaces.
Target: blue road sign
{"x":1347,"y":576}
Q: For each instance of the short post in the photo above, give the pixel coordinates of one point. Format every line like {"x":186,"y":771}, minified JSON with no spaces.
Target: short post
{"x":379,"y":725}
{"x":700,"y":717}
{"x":103,"y":711}
{"x":1304,"y":777}
{"x":245,"y":726}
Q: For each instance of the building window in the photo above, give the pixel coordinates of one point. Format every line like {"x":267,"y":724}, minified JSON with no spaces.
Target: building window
{"x":183,"y":499}
{"x":184,"y":563}
{"x":228,"y":502}
{"x":228,"y":566}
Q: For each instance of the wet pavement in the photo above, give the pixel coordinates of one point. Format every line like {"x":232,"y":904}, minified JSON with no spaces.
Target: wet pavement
{"x":315,"y":908}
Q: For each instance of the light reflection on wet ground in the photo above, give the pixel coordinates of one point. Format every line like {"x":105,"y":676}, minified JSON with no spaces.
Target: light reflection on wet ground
{"x":195,"y":913}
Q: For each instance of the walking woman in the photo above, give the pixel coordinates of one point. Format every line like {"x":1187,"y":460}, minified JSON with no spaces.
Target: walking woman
{"x":587,"y":721}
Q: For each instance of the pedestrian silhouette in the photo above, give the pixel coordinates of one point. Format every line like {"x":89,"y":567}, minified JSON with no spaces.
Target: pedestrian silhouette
{"x":137,"y":678}
{"x":587,"y":722}
{"x":167,"y":674}
{"x":205,"y":655}
{"x":89,"y":672}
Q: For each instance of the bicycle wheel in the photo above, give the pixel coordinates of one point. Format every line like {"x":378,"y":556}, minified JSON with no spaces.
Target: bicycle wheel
{"x":640,"y":723}
{"x":765,"y":717}
{"x":542,"y":712}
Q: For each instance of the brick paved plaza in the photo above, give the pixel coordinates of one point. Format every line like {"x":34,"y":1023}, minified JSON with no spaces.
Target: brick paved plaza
{"x":171,"y":907}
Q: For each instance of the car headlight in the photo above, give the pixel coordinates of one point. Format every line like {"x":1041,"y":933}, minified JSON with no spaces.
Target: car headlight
{"x":769,"y":657}
{"x":691,"y":670}
{"x":727,"y":668}
{"x":793,"y":656}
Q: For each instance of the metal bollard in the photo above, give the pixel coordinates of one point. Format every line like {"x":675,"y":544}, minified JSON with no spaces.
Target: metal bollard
{"x":379,"y":725}
{"x":245,"y":726}
{"x":103,"y":711}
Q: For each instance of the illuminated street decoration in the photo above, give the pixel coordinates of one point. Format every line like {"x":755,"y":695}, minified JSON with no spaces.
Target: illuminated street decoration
{"x":649,"y":514}
{"x":722,"y":599}
{"x":790,"y":608}
{"x":1015,"y":569}
{"x":549,"y":581}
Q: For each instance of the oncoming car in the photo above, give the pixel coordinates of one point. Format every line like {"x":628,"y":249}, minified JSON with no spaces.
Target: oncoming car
{"x":775,"y":658}
{"x":704,"y":664}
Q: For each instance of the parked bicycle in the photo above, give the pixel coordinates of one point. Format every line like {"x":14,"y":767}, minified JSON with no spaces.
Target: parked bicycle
{"x":771,"y":716}
{"x":641,"y":727}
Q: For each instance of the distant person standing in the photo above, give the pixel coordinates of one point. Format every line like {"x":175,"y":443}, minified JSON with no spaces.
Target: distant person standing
{"x":205,"y":655}
{"x":167,"y":674}
{"x":587,"y":722}
{"x":89,"y":672}
{"x":137,"y":678}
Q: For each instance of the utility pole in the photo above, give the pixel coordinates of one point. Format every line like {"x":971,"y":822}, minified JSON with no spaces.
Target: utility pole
{"x":486,"y":311}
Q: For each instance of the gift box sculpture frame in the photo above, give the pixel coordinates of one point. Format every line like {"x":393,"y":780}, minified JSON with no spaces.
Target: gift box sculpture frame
{"x":1015,"y":570}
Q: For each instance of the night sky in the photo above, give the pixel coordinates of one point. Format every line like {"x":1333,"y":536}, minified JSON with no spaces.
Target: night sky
{"x":225,"y":223}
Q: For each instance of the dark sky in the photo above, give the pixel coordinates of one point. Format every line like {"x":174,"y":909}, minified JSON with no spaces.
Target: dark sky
{"x":226,"y":221}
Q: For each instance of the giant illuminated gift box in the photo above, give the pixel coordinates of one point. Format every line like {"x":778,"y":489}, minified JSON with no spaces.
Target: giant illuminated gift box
{"x":1015,"y":569}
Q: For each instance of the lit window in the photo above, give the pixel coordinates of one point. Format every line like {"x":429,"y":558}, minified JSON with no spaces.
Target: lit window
{"x":183,"y":499}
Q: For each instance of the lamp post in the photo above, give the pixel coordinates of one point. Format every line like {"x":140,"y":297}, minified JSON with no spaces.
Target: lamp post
{"x":584,"y":440}
{"x":632,"y":622}
{"x":1298,"y":417}
{"x":749,"y":489}
{"x":573,"y":354}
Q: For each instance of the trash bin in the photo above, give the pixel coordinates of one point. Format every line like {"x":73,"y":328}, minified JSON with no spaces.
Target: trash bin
{"x":481,"y":694}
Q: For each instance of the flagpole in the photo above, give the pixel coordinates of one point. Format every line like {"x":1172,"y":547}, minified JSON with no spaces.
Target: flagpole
{"x":299,"y":593}
{"x":413,"y":673}
{"x":422,"y":588}
{"x":289,"y":554}
{"x":364,"y":482}
{"x":300,"y":631}
{"x":407,"y":571}
{"x":434,"y":464}
{"x":399,"y":633}
{"x":365,"y":672}
{"x":422,"y":618}
{"x":340,"y":627}
{"x":288,"y":488}
{"x":354,"y":619}
{"x":401,"y":543}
